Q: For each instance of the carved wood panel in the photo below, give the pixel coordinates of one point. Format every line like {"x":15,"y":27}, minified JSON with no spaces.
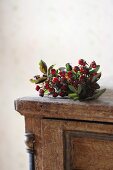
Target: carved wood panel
{"x":71,"y":145}
{"x":64,"y":139}
{"x":88,"y":151}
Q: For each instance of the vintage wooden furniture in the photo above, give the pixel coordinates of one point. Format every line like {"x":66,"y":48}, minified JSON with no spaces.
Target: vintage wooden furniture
{"x":68,"y":135}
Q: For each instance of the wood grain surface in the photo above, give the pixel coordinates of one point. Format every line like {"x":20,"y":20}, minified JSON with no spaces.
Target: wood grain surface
{"x":95,"y":110}
{"x":70,"y":135}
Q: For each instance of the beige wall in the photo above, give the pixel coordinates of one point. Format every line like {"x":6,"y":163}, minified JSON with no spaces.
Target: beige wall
{"x":58,"y":31}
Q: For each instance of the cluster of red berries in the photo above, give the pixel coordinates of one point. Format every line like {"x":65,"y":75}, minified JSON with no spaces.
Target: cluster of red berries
{"x":56,"y":84}
{"x":58,"y":80}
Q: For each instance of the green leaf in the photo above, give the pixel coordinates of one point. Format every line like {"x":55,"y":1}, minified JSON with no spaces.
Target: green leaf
{"x":95,"y":70}
{"x":72,"y":95}
{"x":72,"y":88}
{"x":78,"y":74}
{"x":96,"y":77}
{"x":39,"y":80}
{"x":76,"y":98}
{"x":43,"y":67}
{"x":33,"y":81}
{"x":75,"y":73}
{"x":46,"y":91}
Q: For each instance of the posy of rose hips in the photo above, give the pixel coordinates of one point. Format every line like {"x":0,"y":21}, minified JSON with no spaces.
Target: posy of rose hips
{"x":71,"y":81}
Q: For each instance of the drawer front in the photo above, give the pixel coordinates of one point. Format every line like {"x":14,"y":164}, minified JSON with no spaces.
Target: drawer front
{"x":88,"y":151}
{"x":74,"y":145}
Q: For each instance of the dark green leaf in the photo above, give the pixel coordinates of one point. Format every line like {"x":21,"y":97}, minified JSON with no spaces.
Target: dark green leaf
{"x":96,"y":77}
{"x":96,"y":86}
{"x":79,"y":88}
{"x":41,"y":79}
{"x":37,"y":76}
{"x":96,"y":95}
{"x":95,"y":70}
{"x":68,"y":67}
{"x":74,"y":72}
{"x":99,"y":93}
{"x":72,"y":88}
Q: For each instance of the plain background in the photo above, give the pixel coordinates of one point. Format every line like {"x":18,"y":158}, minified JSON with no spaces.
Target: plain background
{"x":57,"y":31}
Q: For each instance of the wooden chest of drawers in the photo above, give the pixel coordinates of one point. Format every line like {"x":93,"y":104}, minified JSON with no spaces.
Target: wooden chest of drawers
{"x":63,"y":134}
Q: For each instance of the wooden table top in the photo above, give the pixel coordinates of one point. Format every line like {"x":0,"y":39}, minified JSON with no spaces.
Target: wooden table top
{"x":100,"y":109}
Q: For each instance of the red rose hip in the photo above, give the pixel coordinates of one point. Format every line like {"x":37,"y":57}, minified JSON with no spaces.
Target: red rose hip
{"x":63,"y":79}
{"x":55,"y":94}
{"x":82,"y":77}
{"x":76,"y":69}
{"x":37,"y":87}
{"x":55,"y":80}
{"x":62,"y":73}
{"x":46,"y":86}
{"x":82,"y":62}
{"x":62,"y":94}
{"x":64,"y":87}
{"x":53,"y":71}
{"x":41,"y":92}
{"x":51,"y":89}
{"x":93,"y":64}
{"x":70,"y":74}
